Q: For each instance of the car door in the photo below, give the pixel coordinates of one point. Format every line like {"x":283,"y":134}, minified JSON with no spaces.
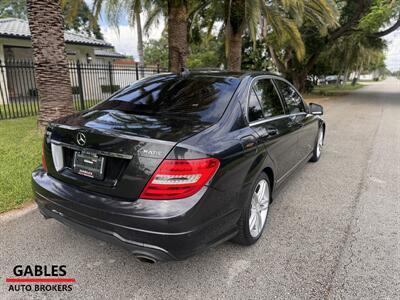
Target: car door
{"x":268,"y":118}
{"x":303,"y":123}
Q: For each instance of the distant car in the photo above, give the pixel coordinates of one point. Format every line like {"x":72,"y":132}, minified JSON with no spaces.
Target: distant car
{"x":174,"y":164}
{"x":332,"y":79}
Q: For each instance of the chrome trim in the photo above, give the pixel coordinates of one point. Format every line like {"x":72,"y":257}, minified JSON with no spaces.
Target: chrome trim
{"x":100,"y":152}
{"x":276,"y":88}
{"x":116,"y":134}
{"x":256,"y":123}
{"x":297,"y":114}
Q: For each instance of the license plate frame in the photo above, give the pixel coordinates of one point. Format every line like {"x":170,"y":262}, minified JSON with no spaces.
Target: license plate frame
{"x":89,"y":165}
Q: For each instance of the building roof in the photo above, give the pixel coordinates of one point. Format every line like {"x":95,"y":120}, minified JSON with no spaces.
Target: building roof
{"x":125,"y":61}
{"x":17,"y":28}
{"x":108,"y":53}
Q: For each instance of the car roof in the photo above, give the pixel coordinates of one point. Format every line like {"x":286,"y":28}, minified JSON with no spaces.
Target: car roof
{"x":219,"y":73}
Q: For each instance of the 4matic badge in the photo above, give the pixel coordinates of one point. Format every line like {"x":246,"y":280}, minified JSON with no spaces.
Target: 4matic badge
{"x":38,"y":278}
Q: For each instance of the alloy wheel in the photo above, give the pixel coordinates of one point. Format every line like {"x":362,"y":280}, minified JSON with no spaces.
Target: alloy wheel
{"x":259,"y":208}
{"x":320,"y":142}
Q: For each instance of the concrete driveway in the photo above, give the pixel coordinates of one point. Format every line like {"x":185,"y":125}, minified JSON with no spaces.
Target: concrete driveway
{"x":333,"y":232}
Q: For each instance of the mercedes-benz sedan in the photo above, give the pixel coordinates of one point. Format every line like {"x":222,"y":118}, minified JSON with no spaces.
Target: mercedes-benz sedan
{"x":174,"y":164}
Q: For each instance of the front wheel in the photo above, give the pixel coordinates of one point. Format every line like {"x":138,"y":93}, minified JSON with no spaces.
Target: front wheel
{"x":254,"y":215}
{"x":318,"y":146}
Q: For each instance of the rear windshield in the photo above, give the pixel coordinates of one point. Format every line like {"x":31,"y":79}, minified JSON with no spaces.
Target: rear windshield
{"x":202,"y":97}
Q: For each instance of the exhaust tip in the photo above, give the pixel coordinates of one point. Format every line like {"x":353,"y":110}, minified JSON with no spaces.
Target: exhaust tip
{"x":145,"y":259}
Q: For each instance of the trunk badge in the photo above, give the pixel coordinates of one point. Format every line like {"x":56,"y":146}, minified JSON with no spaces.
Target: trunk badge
{"x":81,"y":139}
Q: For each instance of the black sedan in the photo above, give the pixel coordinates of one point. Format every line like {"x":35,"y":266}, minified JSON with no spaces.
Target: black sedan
{"x":174,"y":164}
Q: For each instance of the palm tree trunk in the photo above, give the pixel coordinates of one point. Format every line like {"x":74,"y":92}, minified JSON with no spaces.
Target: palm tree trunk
{"x":140,"y":41}
{"x":51,"y":68}
{"x":234,"y":26}
{"x":234,"y":43}
{"x":177,"y":35}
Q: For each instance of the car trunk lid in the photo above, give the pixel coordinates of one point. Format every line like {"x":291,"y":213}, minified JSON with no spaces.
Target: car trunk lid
{"x":128,"y":148}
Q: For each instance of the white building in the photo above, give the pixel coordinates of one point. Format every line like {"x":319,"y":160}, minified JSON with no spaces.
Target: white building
{"x":15,"y":45}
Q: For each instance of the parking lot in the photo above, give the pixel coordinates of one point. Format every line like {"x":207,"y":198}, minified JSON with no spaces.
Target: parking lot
{"x":333,"y":231}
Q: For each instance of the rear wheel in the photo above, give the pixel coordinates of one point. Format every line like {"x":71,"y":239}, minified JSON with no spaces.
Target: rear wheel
{"x":318,"y":146}
{"x":254,"y":215}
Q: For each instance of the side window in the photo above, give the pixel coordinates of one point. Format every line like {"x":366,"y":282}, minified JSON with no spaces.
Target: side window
{"x":255,"y":111}
{"x":292,"y":98}
{"x":269,"y":98}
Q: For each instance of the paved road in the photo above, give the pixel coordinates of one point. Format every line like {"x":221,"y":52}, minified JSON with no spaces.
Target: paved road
{"x":333,"y":232}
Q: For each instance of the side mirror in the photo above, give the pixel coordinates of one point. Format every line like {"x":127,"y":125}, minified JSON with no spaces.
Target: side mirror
{"x":316,"y":109}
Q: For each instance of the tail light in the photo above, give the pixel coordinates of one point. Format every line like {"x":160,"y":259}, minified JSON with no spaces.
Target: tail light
{"x":176,"y":179}
{"x":43,"y":158}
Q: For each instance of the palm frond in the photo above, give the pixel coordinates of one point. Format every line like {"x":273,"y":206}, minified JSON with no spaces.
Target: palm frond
{"x":321,"y":13}
{"x":252,"y":16}
{"x":285,"y":30}
{"x":153,"y":18}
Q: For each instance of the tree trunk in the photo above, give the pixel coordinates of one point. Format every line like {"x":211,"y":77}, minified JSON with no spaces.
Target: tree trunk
{"x":140,"y":41}
{"x":338,"y":78}
{"x":51,"y":68}
{"x":356,"y":76}
{"x":346,"y":76}
{"x":299,"y":81}
{"x":235,"y":20}
{"x":234,"y":55}
{"x":177,"y":35}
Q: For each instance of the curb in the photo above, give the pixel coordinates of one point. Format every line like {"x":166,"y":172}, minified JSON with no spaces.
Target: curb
{"x":17,"y":212}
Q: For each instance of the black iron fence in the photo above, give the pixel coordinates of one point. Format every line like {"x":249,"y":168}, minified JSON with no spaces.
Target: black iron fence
{"x":90,"y":84}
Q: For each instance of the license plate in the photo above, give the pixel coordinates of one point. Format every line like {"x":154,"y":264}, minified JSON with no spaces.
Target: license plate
{"x":89,"y":165}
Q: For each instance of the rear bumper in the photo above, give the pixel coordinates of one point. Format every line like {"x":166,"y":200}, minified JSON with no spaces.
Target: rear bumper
{"x":163,"y":230}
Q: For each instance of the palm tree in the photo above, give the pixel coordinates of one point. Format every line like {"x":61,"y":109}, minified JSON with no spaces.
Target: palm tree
{"x":235,"y":22}
{"x":51,"y":68}
{"x":116,"y":10}
{"x":281,"y":17}
{"x":175,"y":11}
{"x":278,"y":16}
{"x":177,"y":34}
{"x":319,"y":15}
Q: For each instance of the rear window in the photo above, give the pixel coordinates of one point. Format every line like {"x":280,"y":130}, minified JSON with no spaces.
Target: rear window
{"x":201,"y":97}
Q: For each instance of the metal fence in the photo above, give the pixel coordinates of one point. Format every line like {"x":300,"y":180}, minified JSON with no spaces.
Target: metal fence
{"x":90,"y":84}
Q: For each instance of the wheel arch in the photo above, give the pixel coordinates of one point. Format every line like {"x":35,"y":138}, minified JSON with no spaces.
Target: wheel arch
{"x":270,"y":173}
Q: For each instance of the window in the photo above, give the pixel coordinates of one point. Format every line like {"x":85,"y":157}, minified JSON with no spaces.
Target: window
{"x":255,"y":111}
{"x":269,"y":98}
{"x":199,"y":97}
{"x":293,"y":99}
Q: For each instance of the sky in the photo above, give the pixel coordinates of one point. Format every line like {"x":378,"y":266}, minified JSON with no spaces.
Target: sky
{"x":393,"y":53}
{"x":125,"y":40}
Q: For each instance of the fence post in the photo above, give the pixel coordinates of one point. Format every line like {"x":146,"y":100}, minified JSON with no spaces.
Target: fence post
{"x":110,"y":71}
{"x":80,"y":87}
{"x":137,"y":71}
{"x":158,"y":68}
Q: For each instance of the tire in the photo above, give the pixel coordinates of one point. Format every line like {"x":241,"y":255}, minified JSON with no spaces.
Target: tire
{"x":318,"y":146}
{"x":255,"y":209}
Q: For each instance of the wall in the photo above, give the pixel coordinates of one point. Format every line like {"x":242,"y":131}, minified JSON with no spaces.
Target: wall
{"x":20,"y":83}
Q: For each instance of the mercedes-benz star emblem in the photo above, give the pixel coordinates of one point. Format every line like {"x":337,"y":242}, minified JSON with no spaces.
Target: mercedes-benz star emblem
{"x":81,"y":139}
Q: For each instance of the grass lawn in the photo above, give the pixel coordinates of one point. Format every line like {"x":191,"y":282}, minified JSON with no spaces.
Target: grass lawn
{"x":20,"y":153}
{"x":332,"y":90}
